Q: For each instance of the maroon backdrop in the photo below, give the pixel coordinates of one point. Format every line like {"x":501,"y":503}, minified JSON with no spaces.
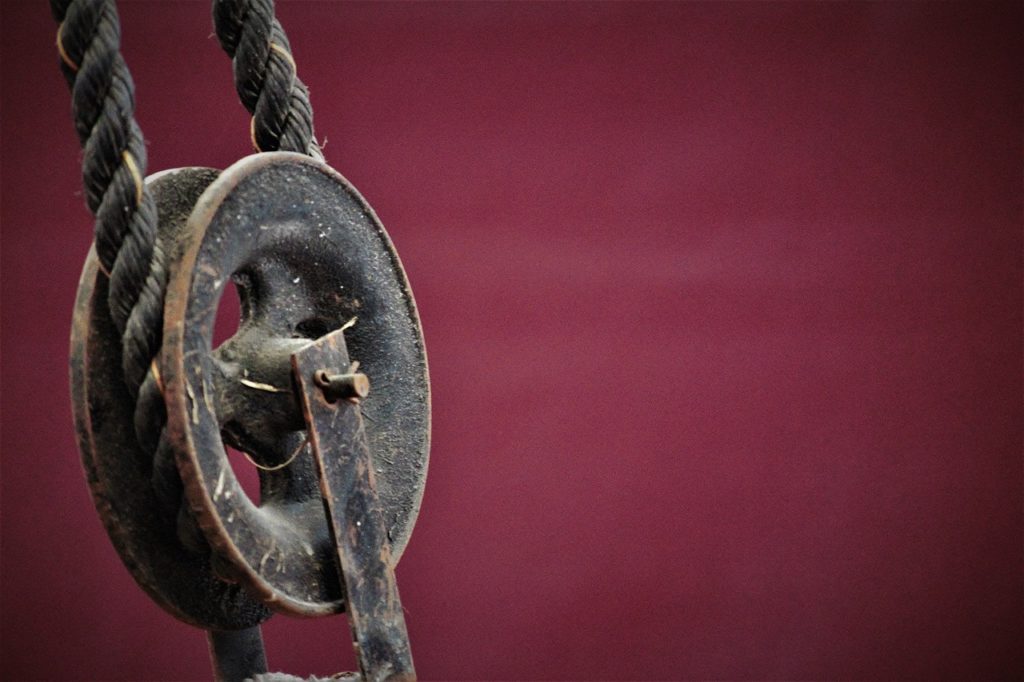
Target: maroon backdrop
{"x":723,"y":305}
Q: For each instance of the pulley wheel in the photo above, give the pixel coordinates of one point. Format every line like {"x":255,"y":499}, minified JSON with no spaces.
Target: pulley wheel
{"x":308,"y":256}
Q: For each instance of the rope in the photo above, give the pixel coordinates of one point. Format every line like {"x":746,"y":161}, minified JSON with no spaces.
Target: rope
{"x":113,"y":172}
{"x":265,"y":76}
{"x":113,"y":165}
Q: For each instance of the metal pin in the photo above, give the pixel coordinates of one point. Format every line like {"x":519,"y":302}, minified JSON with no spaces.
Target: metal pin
{"x":354,"y":386}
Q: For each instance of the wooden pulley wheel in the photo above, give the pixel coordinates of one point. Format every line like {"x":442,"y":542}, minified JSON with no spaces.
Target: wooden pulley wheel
{"x":319,"y":282}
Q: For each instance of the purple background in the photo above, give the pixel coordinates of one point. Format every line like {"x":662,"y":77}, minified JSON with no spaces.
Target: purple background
{"x":723,"y":306}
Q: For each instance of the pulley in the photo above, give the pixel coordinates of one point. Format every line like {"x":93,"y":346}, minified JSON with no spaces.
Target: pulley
{"x":324,"y":386}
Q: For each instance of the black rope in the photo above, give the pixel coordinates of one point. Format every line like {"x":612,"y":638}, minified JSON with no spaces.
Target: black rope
{"x":127,"y":245}
{"x":265,"y":76}
{"x":113,"y":168}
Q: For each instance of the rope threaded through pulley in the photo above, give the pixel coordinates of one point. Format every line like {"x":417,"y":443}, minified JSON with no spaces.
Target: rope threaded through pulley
{"x":114,"y":163}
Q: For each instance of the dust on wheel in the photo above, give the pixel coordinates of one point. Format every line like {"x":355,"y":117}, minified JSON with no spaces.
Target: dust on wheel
{"x":308,"y":256}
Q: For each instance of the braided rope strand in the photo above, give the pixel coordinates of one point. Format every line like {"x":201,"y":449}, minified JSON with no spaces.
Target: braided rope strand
{"x":113,"y":165}
{"x":265,"y":76}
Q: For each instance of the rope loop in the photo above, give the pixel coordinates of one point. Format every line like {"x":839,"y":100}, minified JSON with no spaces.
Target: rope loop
{"x":128,"y":249}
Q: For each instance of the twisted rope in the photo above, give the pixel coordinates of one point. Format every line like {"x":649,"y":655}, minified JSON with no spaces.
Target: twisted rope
{"x":113,"y":172}
{"x":113,"y":167}
{"x":265,"y":76}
